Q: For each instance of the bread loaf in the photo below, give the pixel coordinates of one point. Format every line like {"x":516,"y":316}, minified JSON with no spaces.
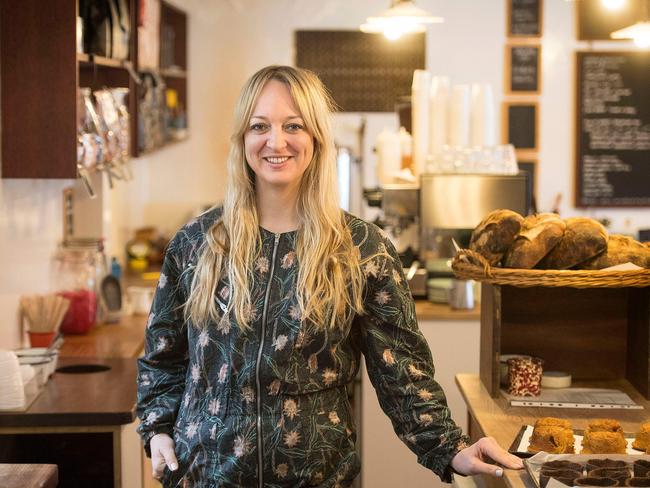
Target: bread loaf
{"x":538,"y":235}
{"x":495,"y":234}
{"x":620,"y":250}
{"x":582,"y":240}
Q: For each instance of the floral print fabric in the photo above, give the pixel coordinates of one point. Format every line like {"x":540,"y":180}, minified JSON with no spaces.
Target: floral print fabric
{"x":206,"y":387}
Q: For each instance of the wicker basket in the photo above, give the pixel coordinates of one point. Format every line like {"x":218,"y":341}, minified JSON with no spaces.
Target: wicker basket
{"x":470,"y":265}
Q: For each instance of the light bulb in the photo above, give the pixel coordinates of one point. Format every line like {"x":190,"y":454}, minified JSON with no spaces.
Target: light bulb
{"x":393,"y":32}
{"x":613,"y":4}
{"x":642,"y":40}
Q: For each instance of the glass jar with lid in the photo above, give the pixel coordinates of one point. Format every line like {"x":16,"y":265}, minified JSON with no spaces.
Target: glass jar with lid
{"x":77,"y":268}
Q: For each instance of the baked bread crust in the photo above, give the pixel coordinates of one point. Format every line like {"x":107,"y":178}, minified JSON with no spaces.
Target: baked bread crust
{"x":495,"y":234}
{"x":583,"y":239}
{"x":538,"y":235}
{"x":620,"y":249}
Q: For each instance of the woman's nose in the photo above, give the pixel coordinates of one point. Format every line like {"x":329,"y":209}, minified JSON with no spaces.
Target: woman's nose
{"x":276,"y":139}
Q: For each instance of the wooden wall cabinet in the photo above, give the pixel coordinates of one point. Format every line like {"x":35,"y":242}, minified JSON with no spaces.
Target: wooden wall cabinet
{"x":595,"y":334}
{"x":40,"y":73}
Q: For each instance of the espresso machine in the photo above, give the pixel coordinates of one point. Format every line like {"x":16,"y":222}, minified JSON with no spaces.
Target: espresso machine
{"x":424,"y":220}
{"x":451,"y":206}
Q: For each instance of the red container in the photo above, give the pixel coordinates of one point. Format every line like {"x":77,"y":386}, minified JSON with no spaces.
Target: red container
{"x":41,"y":339}
{"x":81,"y":314}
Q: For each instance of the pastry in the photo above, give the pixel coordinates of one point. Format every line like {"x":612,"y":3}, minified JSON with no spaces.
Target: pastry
{"x":592,"y":481}
{"x":552,"y":439}
{"x":583,"y":239}
{"x":642,"y":439}
{"x":564,"y":476}
{"x":637,"y":481}
{"x":538,"y":235}
{"x":553,"y":421}
{"x":561,"y":464}
{"x":619,"y":475}
{"x":605,"y":463}
{"x":620,"y":250}
{"x":605,"y":425}
{"x":599,"y":442}
{"x":641,"y":468}
{"x":495,"y":234}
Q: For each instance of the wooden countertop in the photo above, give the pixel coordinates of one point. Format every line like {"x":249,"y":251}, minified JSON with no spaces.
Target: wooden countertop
{"x":105,"y":398}
{"x":426,"y":310}
{"x":497,"y":419}
{"x":124,"y":339}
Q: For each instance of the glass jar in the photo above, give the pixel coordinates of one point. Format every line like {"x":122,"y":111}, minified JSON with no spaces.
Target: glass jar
{"x":76,"y":271}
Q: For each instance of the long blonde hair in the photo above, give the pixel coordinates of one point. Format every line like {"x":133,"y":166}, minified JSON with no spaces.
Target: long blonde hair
{"x":329,"y":285}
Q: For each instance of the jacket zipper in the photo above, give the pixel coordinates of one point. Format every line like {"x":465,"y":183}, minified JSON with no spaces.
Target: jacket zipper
{"x":260,"y":457}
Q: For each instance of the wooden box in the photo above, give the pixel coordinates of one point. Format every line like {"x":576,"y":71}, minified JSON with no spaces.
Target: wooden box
{"x":594,"y":334}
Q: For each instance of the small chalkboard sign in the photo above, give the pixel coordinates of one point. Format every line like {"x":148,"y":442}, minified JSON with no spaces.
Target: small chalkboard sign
{"x":613,"y":129}
{"x":520,"y":125}
{"x":523,"y":69}
{"x":524,"y":18}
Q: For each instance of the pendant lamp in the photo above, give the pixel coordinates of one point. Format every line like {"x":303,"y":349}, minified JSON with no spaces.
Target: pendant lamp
{"x":639,"y":32}
{"x":403,"y":17}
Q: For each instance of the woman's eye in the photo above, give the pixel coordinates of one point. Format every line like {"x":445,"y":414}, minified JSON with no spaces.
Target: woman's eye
{"x":258,"y":127}
{"x":294,"y":127}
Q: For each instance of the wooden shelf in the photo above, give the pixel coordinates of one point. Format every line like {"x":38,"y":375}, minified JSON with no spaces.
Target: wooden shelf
{"x":173,"y":73}
{"x":37,"y":63}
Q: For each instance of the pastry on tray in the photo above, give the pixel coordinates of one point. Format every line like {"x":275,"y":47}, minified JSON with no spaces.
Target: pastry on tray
{"x":604,"y":436}
{"x":552,"y":439}
{"x":564,"y":476}
{"x":614,"y":464}
{"x":641,"y":468}
{"x":592,"y":481}
{"x":642,"y":439}
{"x":553,"y":421}
{"x":604,"y":443}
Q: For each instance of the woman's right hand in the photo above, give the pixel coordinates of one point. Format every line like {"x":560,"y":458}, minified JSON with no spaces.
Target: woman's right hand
{"x":162,"y":453}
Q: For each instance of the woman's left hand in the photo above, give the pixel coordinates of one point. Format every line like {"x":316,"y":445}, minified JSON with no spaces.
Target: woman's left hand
{"x":472,"y":459}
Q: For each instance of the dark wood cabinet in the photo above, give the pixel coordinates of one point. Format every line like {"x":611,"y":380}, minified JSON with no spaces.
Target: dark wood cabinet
{"x":41,"y":72}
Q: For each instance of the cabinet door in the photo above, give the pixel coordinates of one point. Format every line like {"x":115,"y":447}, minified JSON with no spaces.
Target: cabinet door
{"x":386,"y":462}
{"x":38,"y":69}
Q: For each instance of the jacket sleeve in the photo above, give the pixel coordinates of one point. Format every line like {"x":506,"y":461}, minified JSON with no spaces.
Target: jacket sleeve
{"x":162,"y":369}
{"x":400,"y":367}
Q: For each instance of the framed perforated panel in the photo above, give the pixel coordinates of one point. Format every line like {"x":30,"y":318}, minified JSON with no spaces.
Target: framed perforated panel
{"x":364,"y":72}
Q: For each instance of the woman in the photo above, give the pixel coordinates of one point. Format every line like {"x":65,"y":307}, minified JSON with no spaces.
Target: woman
{"x":263,"y":310}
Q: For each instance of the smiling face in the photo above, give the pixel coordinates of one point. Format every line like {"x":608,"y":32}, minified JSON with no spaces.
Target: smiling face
{"x":277,"y":145}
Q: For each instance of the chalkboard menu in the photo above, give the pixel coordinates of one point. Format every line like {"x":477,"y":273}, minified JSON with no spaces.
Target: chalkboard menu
{"x":524,"y":18}
{"x":613,"y":129}
{"x":523,"y":65}
{"x":520,"y":124}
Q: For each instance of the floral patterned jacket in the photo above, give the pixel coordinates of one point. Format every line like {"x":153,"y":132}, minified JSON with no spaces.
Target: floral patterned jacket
{"x":269,"y":407}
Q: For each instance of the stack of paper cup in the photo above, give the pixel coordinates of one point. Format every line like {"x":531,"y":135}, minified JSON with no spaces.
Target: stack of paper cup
{"x":420,"y":118}
{"x":459,"y":109}
{"x":438,"y":113}
{"x":12,"y":393}
{"x":389,"y":156}
{"x":482,"y":116}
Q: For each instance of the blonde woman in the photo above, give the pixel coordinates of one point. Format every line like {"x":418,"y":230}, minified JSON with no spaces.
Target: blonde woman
{"x":263,"y":310}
